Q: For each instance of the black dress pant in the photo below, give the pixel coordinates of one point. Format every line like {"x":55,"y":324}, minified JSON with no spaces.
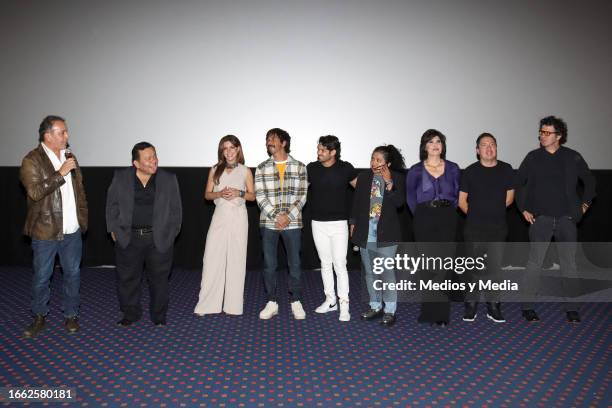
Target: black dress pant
{"x":564,"y":230}
{"x":486,"y":239}
{"x":141,"y":259}
{"x":431,"y":225}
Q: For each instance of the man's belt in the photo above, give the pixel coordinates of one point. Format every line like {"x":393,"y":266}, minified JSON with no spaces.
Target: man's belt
{"x":143,"y":230}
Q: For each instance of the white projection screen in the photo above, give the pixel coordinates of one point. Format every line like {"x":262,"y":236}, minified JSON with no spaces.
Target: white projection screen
{"x":181,"y":74}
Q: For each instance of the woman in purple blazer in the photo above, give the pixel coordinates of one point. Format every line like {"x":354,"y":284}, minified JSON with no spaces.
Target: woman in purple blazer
{"x":432,"y":190}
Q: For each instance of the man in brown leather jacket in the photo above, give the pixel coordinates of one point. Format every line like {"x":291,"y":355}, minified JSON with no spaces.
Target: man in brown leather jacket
{"x":57,"y":216}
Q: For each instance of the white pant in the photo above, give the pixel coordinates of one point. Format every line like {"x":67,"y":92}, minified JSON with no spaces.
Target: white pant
{"x":331,"y":240}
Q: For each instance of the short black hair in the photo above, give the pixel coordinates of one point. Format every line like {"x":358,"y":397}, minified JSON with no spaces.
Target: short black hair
{"x":47,"y":124}
{"x":427,"y":136}
{"x":283,"y":137}
{"x":138,"y":147}
{"x":482,"y":136}
{"x":559,"y":125}
{"x":331,"y":142}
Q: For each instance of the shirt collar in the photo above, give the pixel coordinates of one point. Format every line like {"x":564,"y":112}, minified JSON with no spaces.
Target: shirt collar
{"x":49,"y":151}
{"x":54,"y":159}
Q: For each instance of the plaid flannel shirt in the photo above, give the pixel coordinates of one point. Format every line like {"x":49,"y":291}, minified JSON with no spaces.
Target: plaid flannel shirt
{"x":274,"y":199}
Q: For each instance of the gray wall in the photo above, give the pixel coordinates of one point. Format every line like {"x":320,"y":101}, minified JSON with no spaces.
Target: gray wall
{"x":182,"y":74}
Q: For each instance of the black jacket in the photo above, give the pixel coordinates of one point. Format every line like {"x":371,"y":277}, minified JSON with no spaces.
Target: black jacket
{"x":389,"y":229}
{"x":575,"y":169}
{"x":167,"y":208}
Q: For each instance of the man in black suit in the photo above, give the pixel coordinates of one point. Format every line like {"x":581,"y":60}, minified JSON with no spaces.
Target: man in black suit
{"x":143,"y":216}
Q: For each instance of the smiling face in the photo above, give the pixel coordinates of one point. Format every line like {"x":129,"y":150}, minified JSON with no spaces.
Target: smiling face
{"x":434,"y":147}
{"x":324,"y":155}
{"x":147,"y":162}
{"x":56,"y":138}
{"x":230,"y":152}
{"x":274,"y":145}
{"x":487,"y":149}
{"x":377,"y":161}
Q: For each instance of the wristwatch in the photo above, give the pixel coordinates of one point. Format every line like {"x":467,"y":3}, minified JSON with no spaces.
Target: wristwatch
{"x":242,"y":193}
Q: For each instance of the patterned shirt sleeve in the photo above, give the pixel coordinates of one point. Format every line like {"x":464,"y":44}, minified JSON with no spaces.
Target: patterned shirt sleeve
{"x":263,"y":202}
{"x":295,"y":210}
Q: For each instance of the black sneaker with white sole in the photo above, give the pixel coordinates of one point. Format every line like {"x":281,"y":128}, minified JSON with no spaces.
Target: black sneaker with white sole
{"x":470,"y":311}
{"x":494,"y":313}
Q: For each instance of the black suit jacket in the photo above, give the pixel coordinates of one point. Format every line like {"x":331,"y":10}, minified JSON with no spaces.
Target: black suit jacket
{"x":389,"y":229}
{"x":167,"y":208}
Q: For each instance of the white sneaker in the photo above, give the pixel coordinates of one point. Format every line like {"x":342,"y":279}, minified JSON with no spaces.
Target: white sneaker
{"x":329,"y":305}
{"x":345,"y":316}
{"x":270,"y":310}
{"x":298,"y":310}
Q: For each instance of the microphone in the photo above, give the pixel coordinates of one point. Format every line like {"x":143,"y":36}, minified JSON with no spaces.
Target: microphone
{"x":69,"y":155}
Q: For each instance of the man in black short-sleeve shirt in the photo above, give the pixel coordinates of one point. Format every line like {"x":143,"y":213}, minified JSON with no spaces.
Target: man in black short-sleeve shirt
{"x":329,"y":180}
{"x":486,"y":190}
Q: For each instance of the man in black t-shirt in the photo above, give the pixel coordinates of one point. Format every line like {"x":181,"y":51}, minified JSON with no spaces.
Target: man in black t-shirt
{"x":486,"y":190}
{"x":328,"y":198}
{"x":548,"y":199}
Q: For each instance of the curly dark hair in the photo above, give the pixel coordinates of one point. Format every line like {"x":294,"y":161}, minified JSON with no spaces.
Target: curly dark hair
{"x":559,"y":125}
{"x":393,"y":156}
{"x":331,"y":142}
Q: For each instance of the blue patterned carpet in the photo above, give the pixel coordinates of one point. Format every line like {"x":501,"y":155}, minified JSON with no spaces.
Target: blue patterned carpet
{"x":240,"y":361}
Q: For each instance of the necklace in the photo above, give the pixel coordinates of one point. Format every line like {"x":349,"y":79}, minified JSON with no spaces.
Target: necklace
{"x":435,"y":166}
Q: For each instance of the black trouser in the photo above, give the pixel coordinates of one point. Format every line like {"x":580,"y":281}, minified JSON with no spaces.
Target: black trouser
{"x":545,"y":227}
{"x":140,"y":258}
{"x":435,"y":224}
{"x":484,"y":239}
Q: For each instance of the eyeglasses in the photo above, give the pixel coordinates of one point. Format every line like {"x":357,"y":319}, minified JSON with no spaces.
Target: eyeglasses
{"x":547,"y":133}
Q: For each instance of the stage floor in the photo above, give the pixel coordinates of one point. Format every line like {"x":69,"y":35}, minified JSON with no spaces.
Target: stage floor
{"x":241,"y":361}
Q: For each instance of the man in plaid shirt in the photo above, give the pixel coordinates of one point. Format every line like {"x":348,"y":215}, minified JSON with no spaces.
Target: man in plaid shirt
{"x":280,"y":189}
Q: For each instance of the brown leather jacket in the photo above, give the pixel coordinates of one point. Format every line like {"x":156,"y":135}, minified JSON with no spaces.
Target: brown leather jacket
{"x":45,"y":219}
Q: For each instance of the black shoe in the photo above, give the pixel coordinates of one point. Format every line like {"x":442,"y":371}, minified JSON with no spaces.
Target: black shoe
{"x":388,"y":319}
{"x":470,"y":311}
{"x":36,"y":327}
{"x":159,"y":323}
{"x":572,"y":316}
{"x":530,"y":315}
{"x":372,"y":314}
{"x":72,"y":324}
{"x":494,"y":312}
{"x":124,"y":322}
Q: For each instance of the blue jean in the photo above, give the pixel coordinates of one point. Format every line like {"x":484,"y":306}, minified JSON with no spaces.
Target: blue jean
{"x":69,"y":250}
{"x":388,"y":276}
{"x":292,"y":238}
